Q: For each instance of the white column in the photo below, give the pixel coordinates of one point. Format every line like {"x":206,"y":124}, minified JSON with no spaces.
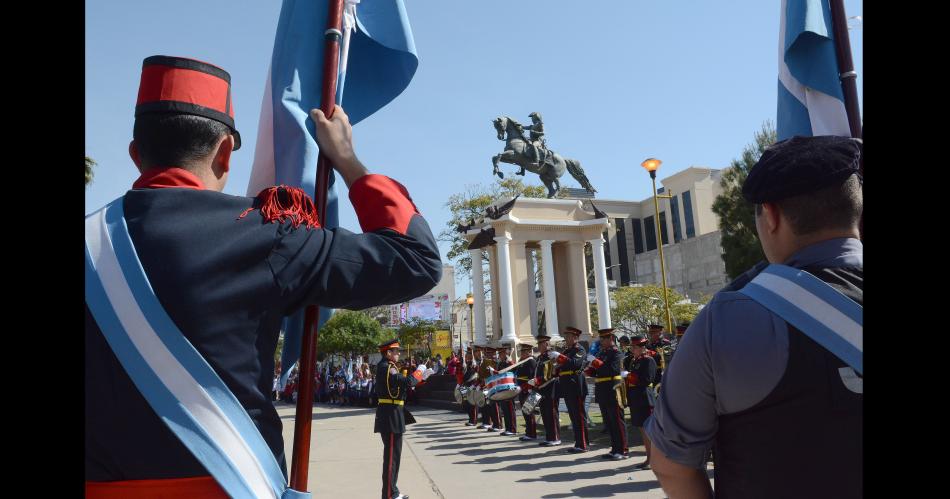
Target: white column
{"x":550,"y":298}
{"x":478,"y":292}
{"x":600,"y":282}
{"x":505,"y":292}
{"x":532,"y":298}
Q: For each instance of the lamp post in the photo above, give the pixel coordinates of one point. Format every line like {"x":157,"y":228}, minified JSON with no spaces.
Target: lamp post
{"x":471,"y":327}
{"x":651,"y":165}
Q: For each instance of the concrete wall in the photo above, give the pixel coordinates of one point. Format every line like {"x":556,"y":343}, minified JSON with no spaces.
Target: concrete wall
{"x":694,"y":267}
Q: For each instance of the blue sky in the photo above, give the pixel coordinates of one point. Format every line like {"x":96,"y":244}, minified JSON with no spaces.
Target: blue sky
{"x":616,"y":81}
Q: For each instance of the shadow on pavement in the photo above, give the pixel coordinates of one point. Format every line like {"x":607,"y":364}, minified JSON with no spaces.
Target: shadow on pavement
{"x":334,"y":413}
{"x":606,"y":490}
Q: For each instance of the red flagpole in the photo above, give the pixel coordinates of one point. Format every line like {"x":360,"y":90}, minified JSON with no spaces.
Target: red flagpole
{"x":300,"y":462}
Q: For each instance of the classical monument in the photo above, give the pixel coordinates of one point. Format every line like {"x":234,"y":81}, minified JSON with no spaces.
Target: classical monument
{"x":532,"y":154}
{"x":557,"y":230}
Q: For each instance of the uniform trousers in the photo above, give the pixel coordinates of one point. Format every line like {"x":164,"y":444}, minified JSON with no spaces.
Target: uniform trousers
{"x":530,"y":425}
{"x":508,"y":412}
{"x":472,"y":412}
{"x":575,"y":409}
{"x":392,"y":451}
{"x":550,"y":418}
{"x":494,"y":415}
{"x":613,"y":420}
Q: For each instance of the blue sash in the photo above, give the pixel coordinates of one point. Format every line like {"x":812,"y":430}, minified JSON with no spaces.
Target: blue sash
{"x":828,"y":317}
{"x":172,"y":376}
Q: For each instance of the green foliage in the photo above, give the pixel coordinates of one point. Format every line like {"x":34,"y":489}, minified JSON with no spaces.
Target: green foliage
{"x":351,"y":332}
{"x":89,"y":164}
{"x":740,"y":243}
{"x":416,"y":334}
{"x":639,"y":306}
{"x":471,"y":204}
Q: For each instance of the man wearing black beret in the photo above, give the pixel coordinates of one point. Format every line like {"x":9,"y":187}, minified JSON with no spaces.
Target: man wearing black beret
{"x":770,"y":374}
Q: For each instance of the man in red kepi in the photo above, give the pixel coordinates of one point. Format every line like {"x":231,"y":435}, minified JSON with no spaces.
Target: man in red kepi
{"x":186,"y":288}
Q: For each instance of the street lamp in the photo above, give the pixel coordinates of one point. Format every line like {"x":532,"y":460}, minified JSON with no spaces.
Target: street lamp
{"x":651,"y":165}
{"x":471,"y":327}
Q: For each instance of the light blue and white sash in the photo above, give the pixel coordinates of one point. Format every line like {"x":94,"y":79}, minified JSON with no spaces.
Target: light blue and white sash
{"x":823,"y":313}
{"x":176,"y":381}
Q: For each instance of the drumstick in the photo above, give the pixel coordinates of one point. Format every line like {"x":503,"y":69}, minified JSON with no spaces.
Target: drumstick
{"x":513,"y":366}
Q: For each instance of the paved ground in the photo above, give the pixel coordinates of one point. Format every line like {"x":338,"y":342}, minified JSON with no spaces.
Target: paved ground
{"x":442,"y":458}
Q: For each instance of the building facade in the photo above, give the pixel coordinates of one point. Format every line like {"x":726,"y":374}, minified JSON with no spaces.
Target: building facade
{"x":689,"y":231}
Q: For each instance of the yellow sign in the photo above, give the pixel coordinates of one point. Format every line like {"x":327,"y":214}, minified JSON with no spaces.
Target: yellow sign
{"x":442,"y":344}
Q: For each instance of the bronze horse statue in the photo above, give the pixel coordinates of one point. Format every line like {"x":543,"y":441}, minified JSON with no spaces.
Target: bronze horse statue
{"x":516,"y":153}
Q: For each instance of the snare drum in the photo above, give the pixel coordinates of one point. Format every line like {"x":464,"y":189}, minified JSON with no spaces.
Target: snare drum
{"x":530,"y":403}
{"x":481,"y":397}
{"x":459,"y":393}
{"x":502,"y":386}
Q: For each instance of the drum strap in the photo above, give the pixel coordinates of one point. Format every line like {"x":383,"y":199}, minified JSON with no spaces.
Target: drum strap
{"x":607,"y":378}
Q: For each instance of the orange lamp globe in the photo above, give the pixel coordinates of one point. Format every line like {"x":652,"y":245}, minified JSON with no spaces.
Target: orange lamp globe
{"x":470,"y":300}
{"x":651,"y":164}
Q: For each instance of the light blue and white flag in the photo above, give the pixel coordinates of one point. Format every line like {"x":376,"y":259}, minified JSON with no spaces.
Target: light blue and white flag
{"x":382,"y":60}
{"x":810,"y":99}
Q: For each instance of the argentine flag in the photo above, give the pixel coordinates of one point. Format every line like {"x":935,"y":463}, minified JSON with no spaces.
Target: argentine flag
{"x":382,"y":60}
{"x":810,"y":99}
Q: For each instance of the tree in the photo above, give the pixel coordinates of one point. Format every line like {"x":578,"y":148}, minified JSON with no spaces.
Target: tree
{"x":350,"y":331}
{"x":639,"y":306}
{"x":89,"y":164}
{"x":471,"y":204}
{"x":417,"y":334}
{"x":740,"y":243}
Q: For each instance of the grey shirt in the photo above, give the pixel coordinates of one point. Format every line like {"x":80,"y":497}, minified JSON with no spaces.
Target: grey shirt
{"x":731,"y":357}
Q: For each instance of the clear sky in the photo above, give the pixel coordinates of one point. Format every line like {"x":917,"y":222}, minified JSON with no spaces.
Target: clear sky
{"x":615,"y":81}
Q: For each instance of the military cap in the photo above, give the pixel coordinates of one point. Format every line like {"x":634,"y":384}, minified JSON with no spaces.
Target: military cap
{"x":572,"y":330}
{"x":638,"y":340}
{"x":177,"y":85}
{"x":655,"y":326}
{"x":543,"y":337}
{"x":603,"y":333}
{"x":624,"y":340}
{"x":800,"y":165}
{"x":389,"y":345}
{"x":526,"y":346}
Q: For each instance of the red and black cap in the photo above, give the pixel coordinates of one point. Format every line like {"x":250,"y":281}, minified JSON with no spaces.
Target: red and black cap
{"x":655,"y":327}
{"x":573,"y":330}
{"x":186,"y":86}
{"x":638,"y":340}
{"x":605,"y":333}
{"x":389,"y":345}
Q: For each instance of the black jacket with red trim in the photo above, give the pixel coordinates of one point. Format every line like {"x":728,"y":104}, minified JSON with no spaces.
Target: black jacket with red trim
{"x":227,"y":282}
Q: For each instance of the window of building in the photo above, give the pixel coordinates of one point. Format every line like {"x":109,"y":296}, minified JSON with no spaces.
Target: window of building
{"x":663,"y":231}
{"x":675,"y":213}
{"x":649,"y":229}
{"x":622,"y":252}
{"x":637,"y":236}
{"x":688,"y":215}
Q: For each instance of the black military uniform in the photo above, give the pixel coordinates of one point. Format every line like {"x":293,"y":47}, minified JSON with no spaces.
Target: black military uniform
{"x":491,"y":407}
{"x":643,"y":375}
{"x":470,"y":380}
{"x":481,"y":367}
{"x":627,"y":363}
{"x":605,"y":369}
{"x":507,"y":407}
{"x":549,"y":400}
{"x":391,"y":416}
{"x":572,"y":387}
{"x":525,"y":373}
{"x":663,"y":346}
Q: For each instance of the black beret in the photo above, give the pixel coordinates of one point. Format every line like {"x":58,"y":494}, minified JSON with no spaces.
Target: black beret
{"x":800,"y":165}
{"x":624,"y":339}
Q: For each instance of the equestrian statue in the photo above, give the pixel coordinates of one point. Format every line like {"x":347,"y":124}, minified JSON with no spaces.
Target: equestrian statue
{"x":532,"y":154}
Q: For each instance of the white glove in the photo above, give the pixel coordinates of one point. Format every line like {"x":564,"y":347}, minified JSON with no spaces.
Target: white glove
{"x":623,"y":374}
{"x":590,"y":358}
{"x":491,"y":370}
{"x":532,"y":382}
{"x":421,"y":367}
{"x":553,"y":355}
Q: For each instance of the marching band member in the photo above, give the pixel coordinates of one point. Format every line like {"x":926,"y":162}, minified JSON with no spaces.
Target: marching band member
{"x":549,"y":404}
{"x":470,"y":380}
{"x":391,"y":414}
{"x":641,"y":378}
{"x":525,"y":373}
{"x":507,"y":406}
{"x":573,"y":386}
{"x":606,"y":369}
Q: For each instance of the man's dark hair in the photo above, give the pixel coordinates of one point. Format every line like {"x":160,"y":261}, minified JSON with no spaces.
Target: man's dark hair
{"x":836,"y":207}
{"x":175,"y":139}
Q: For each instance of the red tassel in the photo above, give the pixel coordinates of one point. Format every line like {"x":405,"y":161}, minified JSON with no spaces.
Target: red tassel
{"x":281,"y":203}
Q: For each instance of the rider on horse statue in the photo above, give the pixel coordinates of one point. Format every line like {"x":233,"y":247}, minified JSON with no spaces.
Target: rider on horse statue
{"x":538,"y":150}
